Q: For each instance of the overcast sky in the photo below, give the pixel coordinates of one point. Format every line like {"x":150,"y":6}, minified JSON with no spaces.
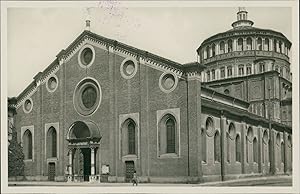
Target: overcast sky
{"x":36,"y":35}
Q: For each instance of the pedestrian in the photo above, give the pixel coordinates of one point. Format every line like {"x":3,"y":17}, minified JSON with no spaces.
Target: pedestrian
{"x":134,"y":179}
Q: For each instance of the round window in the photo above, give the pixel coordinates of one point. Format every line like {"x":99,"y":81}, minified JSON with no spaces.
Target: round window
{"x":27,"y":105}
{"x":52,"y":83}
{"x":87,"y":96}
{"x":86,"y":56}
{"x":226,"y":91}
{"x":128,"y":68}
{"x":168,"y":82}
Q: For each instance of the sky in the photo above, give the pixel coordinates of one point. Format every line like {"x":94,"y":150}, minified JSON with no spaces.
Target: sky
{"x":36,"y":35}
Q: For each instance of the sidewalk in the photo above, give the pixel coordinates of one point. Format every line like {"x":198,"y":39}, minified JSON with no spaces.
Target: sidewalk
{"x":283,"y":180}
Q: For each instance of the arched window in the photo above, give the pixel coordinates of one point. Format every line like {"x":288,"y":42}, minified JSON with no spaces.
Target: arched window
{"x":269,"y":150}
{"x":240,"y":44}
{"x":27,"y":144}
{"x":282,"y":152}
{"x":275,"y":45}
{"x":266,"y":45}
{"x":170,"y":125}
{"x":255,"y":150}
{"x":259,"y":44}
{"x":131,"y":138}
{"x":203,"y":145}
{"x":248,"y":143}
{"x":230,"y":45}
{"x":222,"y":47}
{"x":52,"y":142}
{"x":217,"y":149}
{"x":264,"y":146}
{"x":207,"y":52}
{"x":213,"y":48}
{"x":280,"y":46}
{"x":249,"y":43}
{"x":238,"y":148}
{"x":228,"y":147}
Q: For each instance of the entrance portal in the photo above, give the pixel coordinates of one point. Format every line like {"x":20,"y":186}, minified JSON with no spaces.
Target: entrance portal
{"x":84,"y":141}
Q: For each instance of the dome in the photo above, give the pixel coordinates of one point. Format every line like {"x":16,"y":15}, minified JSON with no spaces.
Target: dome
{"x":240,"y":47}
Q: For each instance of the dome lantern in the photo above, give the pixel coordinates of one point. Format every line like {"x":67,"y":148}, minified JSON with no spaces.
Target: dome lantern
{"x":242,"y":19}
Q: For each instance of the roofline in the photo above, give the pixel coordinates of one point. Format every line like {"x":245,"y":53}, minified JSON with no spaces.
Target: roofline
{"x":208,"y":40}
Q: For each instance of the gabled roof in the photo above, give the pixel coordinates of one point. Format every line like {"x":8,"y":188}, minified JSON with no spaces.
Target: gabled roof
{"x":169,"y":64}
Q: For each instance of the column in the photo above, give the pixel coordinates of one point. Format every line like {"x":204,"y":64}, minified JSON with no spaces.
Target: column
{"x":244,"y":44}
{"x":92,"y":177}
{"x":285,"y":164}
{"x":70,"y":176}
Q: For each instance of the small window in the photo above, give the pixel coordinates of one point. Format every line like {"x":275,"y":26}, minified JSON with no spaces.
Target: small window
{"x":266,"y":45}
{"x":222,"y":72}
{"x":240,"y":45}
{"x":213,"y":47}
{"x":230,"y":47}
{"x":241,"y":70}
{"x":229,"y":71}
{"x":222,"y":47}
{"x":208,"y":76}
{"x":238,"y":148}
{"x":275,"y":45}
{"x":207,"y":52}
{"x":261,"y":67}
{"x":217,"y":149}
{"x":255,"y":150}
{"x":249,"y":70}
{"x":249,"y":43}
{"x":259,"y":44}
{"x":213,"y":73}
{"x":203,"y":145}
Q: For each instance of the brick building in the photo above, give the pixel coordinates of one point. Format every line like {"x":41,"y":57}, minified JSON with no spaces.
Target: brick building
{"x":103,"y":109}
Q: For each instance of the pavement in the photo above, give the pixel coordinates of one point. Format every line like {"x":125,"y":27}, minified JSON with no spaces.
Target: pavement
{"x":283,"y":180}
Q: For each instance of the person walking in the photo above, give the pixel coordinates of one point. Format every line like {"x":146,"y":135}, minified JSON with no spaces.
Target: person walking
{"x":134,"y":179}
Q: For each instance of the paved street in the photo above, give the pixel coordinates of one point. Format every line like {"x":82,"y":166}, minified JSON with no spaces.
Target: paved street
{"x":259,"y":181}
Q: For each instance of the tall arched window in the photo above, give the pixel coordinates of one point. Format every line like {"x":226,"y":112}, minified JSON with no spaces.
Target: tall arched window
{"x":213,"y":48}
{"x":222,"y":47}
{"x":131,"y":138}
{"x":280,"y":46}
{"x":230,"y":45}
{"x":27,"y":144}
{"x":259,"y":44}
{"x":255,"y":150}
{"x":249,"y":43}
{"x":282,"y":152}
{"x":249,"y":139}
{"x":240,"y":44}
{"x":266,"y":45}
{"x":217,"y":149}
{"x":269,"y":150}
{"x":238,"y":148}
{"x":170,"y":125}
{"x":228,"y":147}
{"x":207,"y":52}
{"x":203,"y":145}
{"x":52,"y":142}
{"x":275,"y":45}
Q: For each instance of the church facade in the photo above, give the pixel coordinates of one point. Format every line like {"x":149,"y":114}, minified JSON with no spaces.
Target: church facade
{"x":103,"y":109}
